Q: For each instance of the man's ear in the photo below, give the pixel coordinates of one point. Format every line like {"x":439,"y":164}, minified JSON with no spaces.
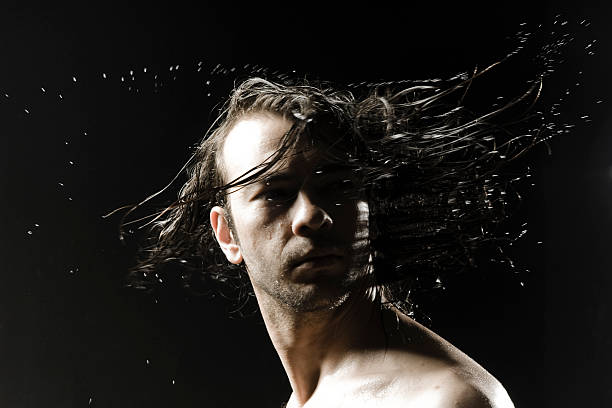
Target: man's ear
{"x":218,"y":222}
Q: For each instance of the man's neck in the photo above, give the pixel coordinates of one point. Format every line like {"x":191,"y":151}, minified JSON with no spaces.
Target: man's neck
{"x":317,"y":345}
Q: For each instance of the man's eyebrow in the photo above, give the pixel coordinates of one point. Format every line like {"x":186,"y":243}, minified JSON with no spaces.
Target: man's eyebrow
{"x":278,"y":177}
{"x":333,"y":168}
{"x":320,"y":170}
{"x":327,"y":169}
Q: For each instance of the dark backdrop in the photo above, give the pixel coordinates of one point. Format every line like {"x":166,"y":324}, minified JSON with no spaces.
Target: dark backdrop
{"x":71,"y":336}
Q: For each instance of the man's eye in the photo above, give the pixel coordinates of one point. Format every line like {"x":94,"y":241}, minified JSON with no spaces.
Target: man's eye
{"x":341,"y":186}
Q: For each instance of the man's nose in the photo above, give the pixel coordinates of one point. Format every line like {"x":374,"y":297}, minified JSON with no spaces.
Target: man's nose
{"x":309,"y":217}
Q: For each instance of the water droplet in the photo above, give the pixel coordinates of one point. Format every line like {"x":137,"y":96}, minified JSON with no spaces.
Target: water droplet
{"x":29,"y":232}
{"x":103,"y":75}
{"x":172,"y":382}
{"x":73,"y":79}
{"x":61,"y":184}
{"x":147,"y":361}
{"x":60,"y":96}
{"x":43,"y":89}
{"x":90,"y":399}
{"x":71,"y":162}
{"x":69,"y":198}
{"x":6,"y":95}
{"x":26,"y":111}
{"x":144,"y":70}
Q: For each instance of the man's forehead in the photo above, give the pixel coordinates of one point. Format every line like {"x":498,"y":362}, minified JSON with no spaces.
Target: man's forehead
{"x":256,"y":137}
{"x":251,"y":141}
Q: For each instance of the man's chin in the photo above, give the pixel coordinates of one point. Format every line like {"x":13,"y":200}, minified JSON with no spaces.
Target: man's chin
{"x":315,"y":295}
{"x":311,"y":304}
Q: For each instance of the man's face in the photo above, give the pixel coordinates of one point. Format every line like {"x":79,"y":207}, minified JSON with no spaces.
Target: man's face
{"x":302,"y":231}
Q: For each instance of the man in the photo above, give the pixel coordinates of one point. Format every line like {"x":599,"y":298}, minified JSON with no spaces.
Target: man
{"x":289,"y":195}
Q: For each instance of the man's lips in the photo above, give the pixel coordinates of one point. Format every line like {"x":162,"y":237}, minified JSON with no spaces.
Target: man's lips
{"x":318,"y":259}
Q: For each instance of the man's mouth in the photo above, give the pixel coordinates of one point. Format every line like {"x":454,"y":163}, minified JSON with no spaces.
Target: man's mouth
{"x":320,"y":260}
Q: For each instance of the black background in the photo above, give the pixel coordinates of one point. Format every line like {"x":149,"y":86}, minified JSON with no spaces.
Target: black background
{"x":71,"y":336}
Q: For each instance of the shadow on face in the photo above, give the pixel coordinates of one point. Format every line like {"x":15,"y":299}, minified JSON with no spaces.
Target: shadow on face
{"x":302,"y":229}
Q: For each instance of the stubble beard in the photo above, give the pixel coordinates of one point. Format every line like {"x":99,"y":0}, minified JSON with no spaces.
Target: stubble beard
{"x":326,"y":293}
{"x":316,"y":296}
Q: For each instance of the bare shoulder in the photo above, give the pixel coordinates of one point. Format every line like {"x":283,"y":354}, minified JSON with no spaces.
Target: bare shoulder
{"x":460,"y":391}
{"x":447,"y":376}
{"x":447,"y":387}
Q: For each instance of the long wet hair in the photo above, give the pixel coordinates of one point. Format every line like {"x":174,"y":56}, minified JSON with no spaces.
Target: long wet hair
{"x":432,"y":173}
